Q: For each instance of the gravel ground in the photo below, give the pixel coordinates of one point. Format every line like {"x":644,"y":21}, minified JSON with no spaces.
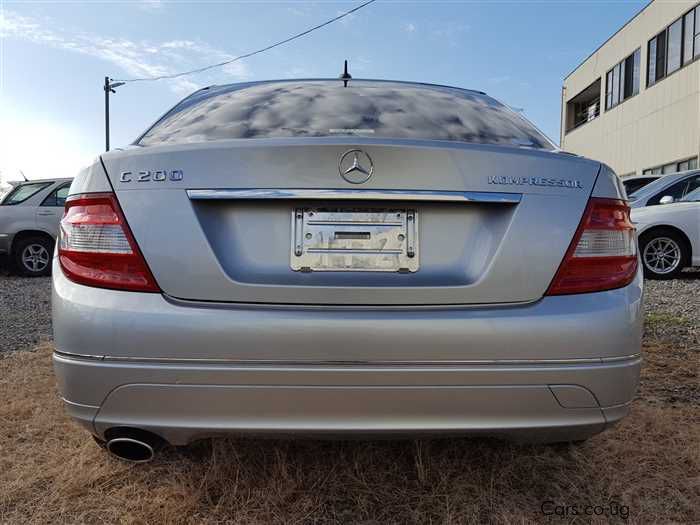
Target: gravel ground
{"x":25,"y":311}
{"x":672,"y":310}
{"x":671,"y":370}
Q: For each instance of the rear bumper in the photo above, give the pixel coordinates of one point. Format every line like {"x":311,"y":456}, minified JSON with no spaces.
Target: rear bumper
{"x":563,"y":368}
{"x":184,"y":402}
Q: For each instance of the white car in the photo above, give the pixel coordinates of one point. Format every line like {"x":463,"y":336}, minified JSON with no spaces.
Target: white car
{"x":670,"y":188}
{"x":669,"y":234}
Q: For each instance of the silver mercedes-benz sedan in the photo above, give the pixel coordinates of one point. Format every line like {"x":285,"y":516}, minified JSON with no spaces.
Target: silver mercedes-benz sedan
{"x":334,"y":258}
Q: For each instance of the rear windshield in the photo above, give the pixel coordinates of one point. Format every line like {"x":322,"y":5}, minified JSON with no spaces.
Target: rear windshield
{"x":327,"y":109}
{"x":24,"y":191}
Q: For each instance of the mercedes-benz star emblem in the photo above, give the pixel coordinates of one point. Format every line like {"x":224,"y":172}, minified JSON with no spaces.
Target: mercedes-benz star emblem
{"x":356,"y":166}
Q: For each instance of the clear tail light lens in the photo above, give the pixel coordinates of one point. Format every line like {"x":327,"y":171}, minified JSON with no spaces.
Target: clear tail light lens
{"x":603,"y":253}
{"x":96,"y":247}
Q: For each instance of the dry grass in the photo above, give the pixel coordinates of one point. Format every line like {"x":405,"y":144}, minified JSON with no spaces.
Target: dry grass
{"x":51,"y":472}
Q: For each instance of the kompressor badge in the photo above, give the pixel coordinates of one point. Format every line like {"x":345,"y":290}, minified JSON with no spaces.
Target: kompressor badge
{"x":535,"y":181}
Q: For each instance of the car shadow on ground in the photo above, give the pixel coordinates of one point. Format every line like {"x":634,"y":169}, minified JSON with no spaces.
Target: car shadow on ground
{"x":5,"y":267}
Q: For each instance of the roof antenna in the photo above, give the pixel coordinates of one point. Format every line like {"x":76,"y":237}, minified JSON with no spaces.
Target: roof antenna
{"x":24,"y":176}
{"x":345,"y":77}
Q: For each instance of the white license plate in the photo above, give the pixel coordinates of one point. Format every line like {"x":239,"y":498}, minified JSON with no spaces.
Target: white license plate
{"x":354,"y":240}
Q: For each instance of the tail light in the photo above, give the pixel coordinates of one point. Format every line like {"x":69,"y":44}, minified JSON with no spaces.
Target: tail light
{"x":96,"y":246}
{"x":603,"y":253}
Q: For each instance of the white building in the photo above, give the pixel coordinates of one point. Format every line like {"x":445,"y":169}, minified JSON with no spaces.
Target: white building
{"x":635,"y":102}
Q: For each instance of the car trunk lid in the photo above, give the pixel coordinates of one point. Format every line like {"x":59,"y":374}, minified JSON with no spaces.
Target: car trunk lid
{"x":274,"y":221}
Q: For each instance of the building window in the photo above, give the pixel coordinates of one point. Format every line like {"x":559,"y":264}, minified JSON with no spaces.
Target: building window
{"x":656,"y":67}
{"x":669,"y":168}
{"x":633,"y":66}
{"x":674,"y":47}
{"x":688,"y":36}
{"x":673,"y":167}
{"x":584,"y":107}
{"x":622,"y":81}
{"x":696,"y":40}
{"x":690,"y":164}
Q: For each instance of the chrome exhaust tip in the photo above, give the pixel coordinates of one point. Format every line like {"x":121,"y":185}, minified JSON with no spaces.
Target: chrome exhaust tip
{"x":130,"y":449}
{"x":133,"y":444}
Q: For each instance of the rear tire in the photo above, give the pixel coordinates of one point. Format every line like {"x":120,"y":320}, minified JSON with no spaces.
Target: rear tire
{"x":664,"y":254}
{"x":32,"y":256}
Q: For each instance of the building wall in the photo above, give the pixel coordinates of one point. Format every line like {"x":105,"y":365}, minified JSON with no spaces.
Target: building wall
{"x":659,"y":125}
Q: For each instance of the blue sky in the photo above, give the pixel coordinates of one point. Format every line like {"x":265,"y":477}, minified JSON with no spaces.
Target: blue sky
{"x":54,"y":55}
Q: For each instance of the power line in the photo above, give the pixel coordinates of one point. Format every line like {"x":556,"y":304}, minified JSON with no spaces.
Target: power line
{"x":247,"y":55}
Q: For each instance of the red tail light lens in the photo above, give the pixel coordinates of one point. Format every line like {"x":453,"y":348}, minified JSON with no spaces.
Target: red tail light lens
{"x":96,"y":246}
{"x":603,"y":253}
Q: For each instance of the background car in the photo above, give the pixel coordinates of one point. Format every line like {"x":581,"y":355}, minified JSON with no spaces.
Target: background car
{"x":633,"y":184}
{"x":666,"y":189}
{"x":29,"y":217}
{"x":669,"y":235}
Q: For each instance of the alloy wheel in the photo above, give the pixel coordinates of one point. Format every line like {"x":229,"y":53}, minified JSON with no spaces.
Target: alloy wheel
{"x":662,"y":255}
{"x":35,"y":257}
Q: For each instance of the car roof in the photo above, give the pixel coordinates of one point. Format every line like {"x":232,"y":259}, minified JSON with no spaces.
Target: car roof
{"x":32,"y":181}
{"x":340,"y":80}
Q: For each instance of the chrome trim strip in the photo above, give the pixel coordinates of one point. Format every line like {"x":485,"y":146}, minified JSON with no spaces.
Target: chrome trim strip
{"x":71,"y":355}
{"x":191,"y":303}
{"x":79,"y":405}
{"x":273,"y":363}
{"x":621,"y":358}
{"x":352,"y":194}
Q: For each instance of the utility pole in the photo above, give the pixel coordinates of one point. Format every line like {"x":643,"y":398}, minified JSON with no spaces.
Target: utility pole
{"x":345,"y":75}
{"x":109,"y":88}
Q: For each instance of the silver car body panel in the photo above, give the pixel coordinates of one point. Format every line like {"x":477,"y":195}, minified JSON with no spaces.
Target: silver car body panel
{"x":240,"y":247}
{"x":609,"y":185}
{"x":240,"y":342}
{"x":91,"y":179}
{"x":173,"y":329}
{"x":534,"y":371}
